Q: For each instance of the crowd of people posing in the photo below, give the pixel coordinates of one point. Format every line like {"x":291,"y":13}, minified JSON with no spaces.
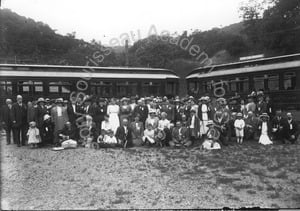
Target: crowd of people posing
{"x":149,"y":121}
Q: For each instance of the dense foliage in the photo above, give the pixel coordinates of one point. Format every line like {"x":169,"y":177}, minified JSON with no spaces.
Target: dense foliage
{"x":271,"y":27}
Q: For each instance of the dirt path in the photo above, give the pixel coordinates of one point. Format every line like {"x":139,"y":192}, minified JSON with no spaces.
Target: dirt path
{"x":237,"y":176}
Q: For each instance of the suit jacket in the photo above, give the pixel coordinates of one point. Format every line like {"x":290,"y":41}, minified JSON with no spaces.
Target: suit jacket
{"x":261,"y":107}
{"x":184,"y":134}
{"x":6,"y":115}
{"x":142,"y":111}
{"x":137,"y":133}
{"x":121,"y":135}
{"x":19,"y":115}
{"x":100,"y":112}
{"x":287,"y":131}
{"x":39,"y":115}
{"x":71,"y":114}
{"x":276,"y":123}
{"x":169,"y":109}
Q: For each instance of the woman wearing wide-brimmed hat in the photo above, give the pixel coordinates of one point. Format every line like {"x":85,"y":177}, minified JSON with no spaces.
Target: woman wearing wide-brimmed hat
{"x":59,"y":116}
{"x":212,"y":137}
{"x":125,"y":109}
{"x":265,"y":128}
{"x":41,"y":110}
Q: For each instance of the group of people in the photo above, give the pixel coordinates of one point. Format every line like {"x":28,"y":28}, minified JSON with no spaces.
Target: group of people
{"x":150,"y":121}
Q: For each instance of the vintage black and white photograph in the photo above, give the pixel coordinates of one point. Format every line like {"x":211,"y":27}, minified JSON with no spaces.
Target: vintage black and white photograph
{"x":139,"y":104}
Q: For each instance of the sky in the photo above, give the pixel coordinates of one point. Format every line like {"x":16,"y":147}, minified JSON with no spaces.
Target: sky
{"x":109,"y":21}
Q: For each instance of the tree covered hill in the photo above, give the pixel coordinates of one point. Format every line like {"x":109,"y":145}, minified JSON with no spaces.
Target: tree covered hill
{"x":275,"y":32}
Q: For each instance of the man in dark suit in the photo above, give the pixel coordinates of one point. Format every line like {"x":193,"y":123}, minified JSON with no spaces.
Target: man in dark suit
{"x":73,"y":110}
{"x":6,"y":119}
{"x":290,"y":129}
{"x":277,"y":126}
{"x":180,"y":136}
{"x":142,"y":110}
{"x":19,"y":121}
{"x":101,"y":111}
{"x":124,"y":134}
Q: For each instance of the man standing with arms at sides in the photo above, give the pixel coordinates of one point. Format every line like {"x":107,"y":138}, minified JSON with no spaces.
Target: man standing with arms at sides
{"x":6,"y":119}
{"x":19,"y":121}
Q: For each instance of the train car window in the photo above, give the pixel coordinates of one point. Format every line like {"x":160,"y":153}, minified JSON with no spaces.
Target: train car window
{"x":207,"y":86}
{"x":102,"y":88}
{"x":170,"y":88}
{"x":65,"y":89}
{"x":259,"y":82}
{"x":150,"y":88}
{"x":193,"y":87}
{"x":122,"y":88}
{"x":38,"y":86}
{"x":132,"y":88}
{"x":24,"y":86}
{"x":273,"y":82}
{"x":5,"y":88}
{"x":53,"y":87}
{"x":233,"y":84}
{"x":243,"y":85}
{"x":289,"y":81}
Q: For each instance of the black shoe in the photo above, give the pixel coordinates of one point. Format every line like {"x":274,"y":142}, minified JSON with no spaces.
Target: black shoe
{"x":19,"y":145}
{"x":7,"y":143}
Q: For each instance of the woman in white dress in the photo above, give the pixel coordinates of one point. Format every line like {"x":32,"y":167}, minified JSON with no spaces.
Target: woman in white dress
{"x":264,"y":127}
{"x":113,"y":111}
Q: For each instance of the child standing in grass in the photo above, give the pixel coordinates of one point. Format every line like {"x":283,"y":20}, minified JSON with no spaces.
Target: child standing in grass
{"x":239,"y":125}
{"x":33,"y":135}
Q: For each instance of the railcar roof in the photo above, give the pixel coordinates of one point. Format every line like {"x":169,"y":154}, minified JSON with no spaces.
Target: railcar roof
{"x":245,"y":64}
{"x":243,"y":70}
{"x":18,"y":70}
{"x":34,"y":67}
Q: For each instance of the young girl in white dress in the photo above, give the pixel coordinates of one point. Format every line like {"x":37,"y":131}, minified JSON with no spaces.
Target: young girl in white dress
{"x":33,"y":135}
{"x":113,"y":111}
{"x":264,"y":127}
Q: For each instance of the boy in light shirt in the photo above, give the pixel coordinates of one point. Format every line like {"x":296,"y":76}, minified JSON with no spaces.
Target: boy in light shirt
{"x":239,"y":125}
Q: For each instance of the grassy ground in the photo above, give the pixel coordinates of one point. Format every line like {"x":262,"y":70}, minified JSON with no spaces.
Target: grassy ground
{"x":236,"y":176}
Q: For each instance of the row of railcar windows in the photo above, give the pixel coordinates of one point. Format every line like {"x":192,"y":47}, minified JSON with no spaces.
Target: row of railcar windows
{"x":240,"y":84}
{"x":101,"y":88}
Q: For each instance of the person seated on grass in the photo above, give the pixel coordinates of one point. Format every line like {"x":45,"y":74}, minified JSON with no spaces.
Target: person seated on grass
{"x":107,"y":140}
{"x":290,"y":129}
{"x":239,"y":125}
{"x":265,"y":129}
{"x":124,"y":134}
{"x":149,"y":136}
{"x":105,"y":125}
{"x":164,"y":130}
{"x":180,"y":136}
{"x":152,"y":119}
{"x":212,"y":137}
{"x":68,"y":133}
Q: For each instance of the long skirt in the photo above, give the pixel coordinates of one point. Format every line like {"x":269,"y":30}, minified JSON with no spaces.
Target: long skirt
{"x":265,"y":140}
{"x":114,"y":121}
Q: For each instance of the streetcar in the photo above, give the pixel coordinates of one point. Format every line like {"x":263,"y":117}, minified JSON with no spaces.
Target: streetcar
{"x":53,"y":81}
{"x":278,"y":77}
